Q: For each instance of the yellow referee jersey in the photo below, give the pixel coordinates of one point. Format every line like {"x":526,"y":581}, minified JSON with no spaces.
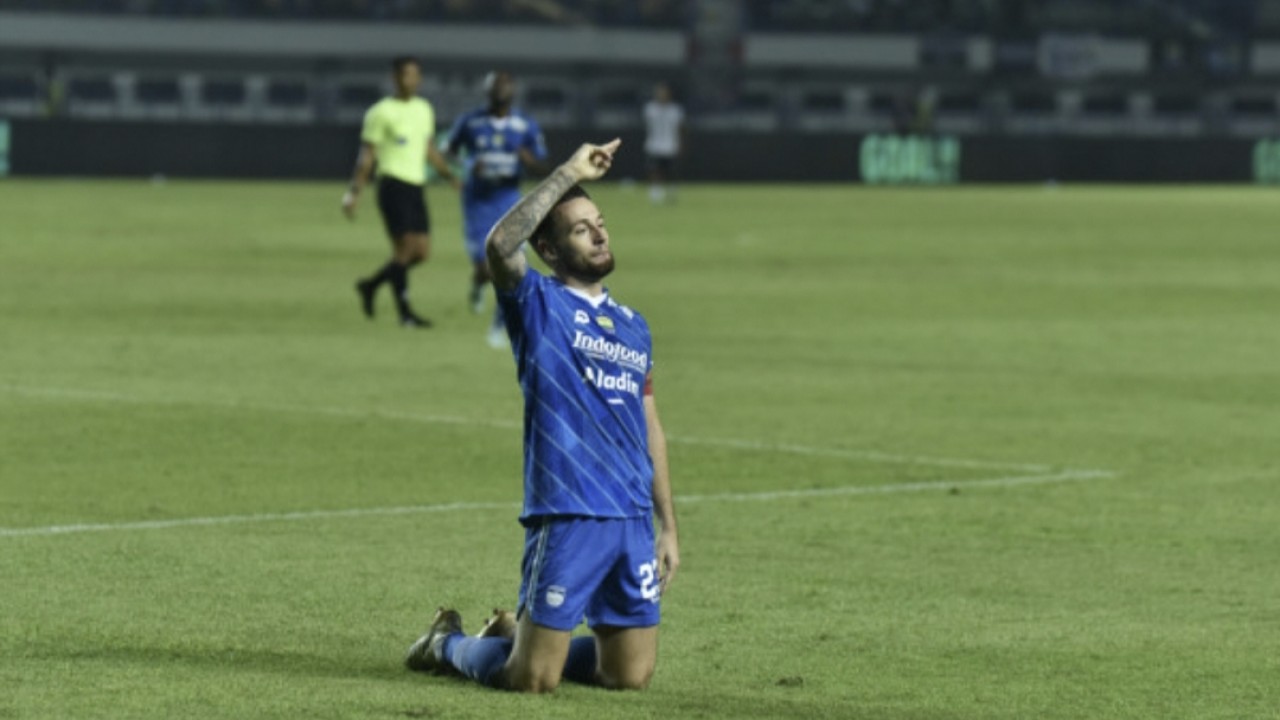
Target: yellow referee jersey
{"x":399,"y":131}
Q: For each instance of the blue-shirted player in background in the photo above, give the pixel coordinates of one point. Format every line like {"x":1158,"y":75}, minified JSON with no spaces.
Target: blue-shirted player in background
{"x":500,"y":143}
{"x":595,"y":461}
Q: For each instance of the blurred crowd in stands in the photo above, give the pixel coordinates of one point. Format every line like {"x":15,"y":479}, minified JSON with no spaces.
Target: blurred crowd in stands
{"x":1010,"y":17}
{"x":626,"y":13}
{"x":1128,"y":17}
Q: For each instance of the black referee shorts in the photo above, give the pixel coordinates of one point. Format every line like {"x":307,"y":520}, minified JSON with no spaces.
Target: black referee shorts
{"x":664,"y":165}
{"x":403,"y":206}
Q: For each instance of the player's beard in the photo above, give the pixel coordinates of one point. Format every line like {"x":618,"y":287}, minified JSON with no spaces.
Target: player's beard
{"x":590,"y":269}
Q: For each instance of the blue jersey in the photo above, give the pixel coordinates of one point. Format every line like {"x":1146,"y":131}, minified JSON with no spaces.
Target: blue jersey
{"x":582,"y":364}
{"x":492,"y":145}
{"x":492,"y":168}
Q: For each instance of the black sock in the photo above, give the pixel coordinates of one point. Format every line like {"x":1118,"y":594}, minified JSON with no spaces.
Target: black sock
{"x":580,"y":665}
{"x":398,"y":276}
{"x":383,"y":275}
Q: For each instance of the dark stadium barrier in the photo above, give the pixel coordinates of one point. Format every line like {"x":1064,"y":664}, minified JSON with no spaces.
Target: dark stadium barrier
{"x":229,"y":150}
{"x":213,"y":150}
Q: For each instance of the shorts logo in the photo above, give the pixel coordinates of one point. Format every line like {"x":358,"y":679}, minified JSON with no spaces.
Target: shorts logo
{"x":555,"y":596}
{"x":580,"y":317}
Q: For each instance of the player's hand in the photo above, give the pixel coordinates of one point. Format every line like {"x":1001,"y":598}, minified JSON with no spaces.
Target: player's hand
{"x":591,"y":162}
{"x":349,"y":200}
{"x":668,"y":558}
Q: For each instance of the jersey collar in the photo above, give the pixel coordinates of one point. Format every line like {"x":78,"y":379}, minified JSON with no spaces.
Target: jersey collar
{"x":596,"y":301}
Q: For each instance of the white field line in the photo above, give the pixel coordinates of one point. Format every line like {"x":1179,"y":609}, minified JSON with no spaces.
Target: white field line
{"x":869,"y":455}
{"x":748,"y":445}
{"x":939,"y":485}
{"x":947,"y":485}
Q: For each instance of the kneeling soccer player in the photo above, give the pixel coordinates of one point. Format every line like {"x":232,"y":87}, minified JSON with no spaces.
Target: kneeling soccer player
{"x":595,"y":474}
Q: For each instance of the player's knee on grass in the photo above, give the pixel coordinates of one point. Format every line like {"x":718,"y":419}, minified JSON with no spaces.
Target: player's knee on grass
{"x":537,"y":660}
{"x":534,"y":670}
{"x":633,"y":676}
{"x":628,"y":657}
{"x":524,"y":678}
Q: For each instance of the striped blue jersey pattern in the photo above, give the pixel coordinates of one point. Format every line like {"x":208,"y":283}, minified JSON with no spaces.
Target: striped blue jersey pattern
{"x":492,"y":145}
{"x":582,"y":368}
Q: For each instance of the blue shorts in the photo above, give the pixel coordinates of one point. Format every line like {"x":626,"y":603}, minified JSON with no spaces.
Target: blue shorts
{"x":603,"y":569}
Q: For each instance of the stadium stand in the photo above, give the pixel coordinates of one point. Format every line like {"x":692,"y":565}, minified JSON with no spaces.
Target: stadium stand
{"x":1105,"y":104}
{"x":1147,"y":67}
{"x":93,"y":97}
{"x":354,"y":97}
{"x":958,"y":111}
{"x":757,"y":110}
{"x":652,"y":13}
{"x":161,"y":98}
{"x":222,"y":99}
{"x":1034,"y":111}
{"x":20,"y":95}
{"x":1253,"y":114}
{"x":548,"y":100}
{"x":823,"y":108}
{"x":1177,"y":112}
{"x":618,"y":106}
{"x":288,"y":100}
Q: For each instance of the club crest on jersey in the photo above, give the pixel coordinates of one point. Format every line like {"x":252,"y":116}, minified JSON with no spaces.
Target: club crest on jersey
{"x":605,"y":322}
{"x":581,"y":317}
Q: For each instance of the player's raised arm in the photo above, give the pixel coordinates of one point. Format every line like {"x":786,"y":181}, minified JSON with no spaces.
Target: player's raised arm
{"x":506,"y":262}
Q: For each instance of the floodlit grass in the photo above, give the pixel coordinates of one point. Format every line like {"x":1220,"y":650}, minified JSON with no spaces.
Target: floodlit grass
{"x":194,"y":350}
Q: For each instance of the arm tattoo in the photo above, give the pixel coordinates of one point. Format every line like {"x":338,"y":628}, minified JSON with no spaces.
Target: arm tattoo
{"x":519,"y":223}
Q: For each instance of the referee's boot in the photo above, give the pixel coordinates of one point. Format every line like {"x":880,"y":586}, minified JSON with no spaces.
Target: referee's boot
{"x":501,"y":624}
{"x":411,"y":319}
{"x":427,"y":653}
{"x":366,"y":290}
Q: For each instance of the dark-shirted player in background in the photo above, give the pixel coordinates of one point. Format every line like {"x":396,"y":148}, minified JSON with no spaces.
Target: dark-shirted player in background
{"x":500,"y":143}
{"x":397,"y":137}
{"x":595,"y":470}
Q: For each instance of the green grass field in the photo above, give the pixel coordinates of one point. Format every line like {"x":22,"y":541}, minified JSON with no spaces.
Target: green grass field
{"x":963,"y":453}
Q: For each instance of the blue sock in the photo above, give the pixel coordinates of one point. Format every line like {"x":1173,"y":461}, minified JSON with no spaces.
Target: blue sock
{"x":580,"y":667}
{"x":480,"y":659}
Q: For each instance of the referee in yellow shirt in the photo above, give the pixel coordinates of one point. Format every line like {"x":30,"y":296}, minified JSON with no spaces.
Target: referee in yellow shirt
{"x":397,"y":136}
